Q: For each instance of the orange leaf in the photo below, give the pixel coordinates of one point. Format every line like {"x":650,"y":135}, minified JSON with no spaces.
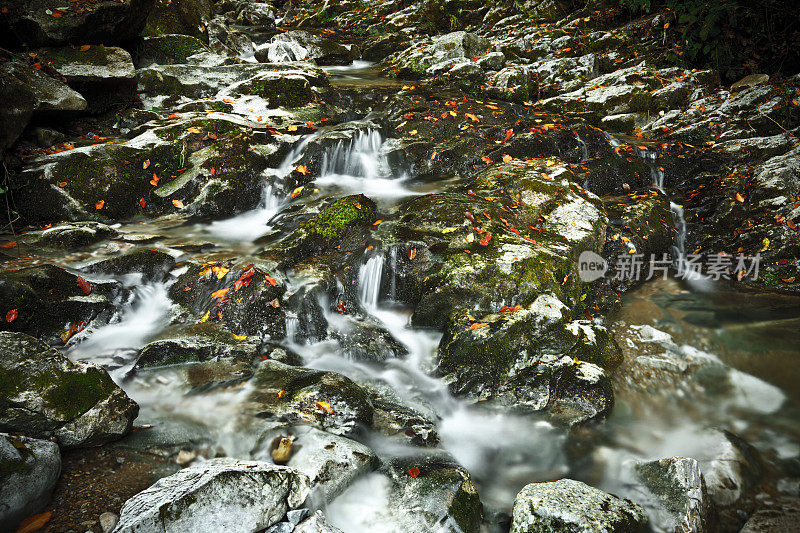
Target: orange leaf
{"x":84,"y":285}
{"x":413,"y":472}
{"x":12,"y":315}
{"x":739,"y":197}
{"x":471,"y":117}
{"x":178,"y":204}
{"x":9,"y":244}
{"x":271,"y":280}
{"x":142,"y":202}
{"x":146,"y":164}
{"x":296,"y":193}
{"x":478,"y":325}
{"x":34,"y":523}
{"x":507,"y":158}
{"x":325,"y":407}
{"x":302,"y":169}
{"x":275,"y":303}
{"x":281,"y":393}
{"x":85,"y":47}
{"x":507,"y":308}
{"x":100,"y":204}
{"x":412,"y":253}
{"x":154,"y":181}
{"x":486,"y":160}
{"x":220,"y":293}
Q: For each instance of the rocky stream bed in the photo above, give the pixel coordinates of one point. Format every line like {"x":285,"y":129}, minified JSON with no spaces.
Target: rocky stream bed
{"x":319,"y":267}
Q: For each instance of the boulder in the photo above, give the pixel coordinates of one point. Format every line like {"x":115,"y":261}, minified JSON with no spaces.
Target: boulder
{"x":316,"y":523}
{"x":673,"y":492}
{"x":299,"y":45}
{"x":432,"y":488}
{"x":69,"y":236}
{"x":323,"y":399}
{"x":34,"y":22}
{"x":168,"y":50}
{"x":532,"y":357}
{"x":152,"y":264}
{"x":330,"y":461}
{"x":45,"y":394}
{"x":198,"y":343}
{"x":51,"y":302}
{"x":569,"y":505}
{"x":783,"y":516}
{"x":258,"y":14}
{"x":104,"y":76}
{"x":513,"y":83}
{"x":29,"y":469}
{"x":216,"y":495}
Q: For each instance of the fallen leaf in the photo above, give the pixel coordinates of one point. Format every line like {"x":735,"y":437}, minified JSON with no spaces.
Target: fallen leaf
{"x":239,"y":337}
{"x":412,"y":253}
{"x":281,"y":393}
{"x":506,"y":308}
{"x":271,"y":280}
{"x":12,"y":315}
{"x":413,"y":472}
{"x":34,"y":523}
{"x":142,"y":202}
{"x":154,"y":181}
{"x":100,"y":204}
{"x":293,"y":127}
{"x":193,"y":130}
{"x":220,"y":293}
{"x":84,"y":285}
{"x":205,"y":316}
{"x":178,"y":204}
{"x":146,"y":164}
{"x":85,"y":47}
{"x":302,"y":169}
{"x":325,"y":407}
{"x":471,"y":117}
{"x":296,"y":192}
{"x":478,"y":325}
{"x":10,"y":244}
{"x":739,"y":197}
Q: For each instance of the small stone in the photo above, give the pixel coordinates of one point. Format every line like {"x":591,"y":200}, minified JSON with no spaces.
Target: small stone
{"x":750,"y":81}
{"x":108,"y":521}
{"x":281,"y":449}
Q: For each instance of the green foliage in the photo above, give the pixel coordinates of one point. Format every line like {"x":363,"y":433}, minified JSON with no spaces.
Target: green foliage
{"x":734,"y":36}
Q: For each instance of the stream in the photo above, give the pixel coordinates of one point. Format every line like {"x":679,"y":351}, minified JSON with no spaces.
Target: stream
{"x":665,"y":326}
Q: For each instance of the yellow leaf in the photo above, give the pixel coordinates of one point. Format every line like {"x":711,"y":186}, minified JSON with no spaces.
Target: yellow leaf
{"x":221,"y":272}
{"x":412,"y":132}
{"x":281,"y":393}
{"x":325,"y":407}
{"x":764,"y":244}
{"x":470,"y":237}
{"x":302,"y":169}
{"x":293,"y":127}
{"x":471,"y":117}
{"x":296,"y":192}
{"x":193,"y":130}
{"x":449,"y":230}
{"x":205,"y":316}
{"x":239,"y":337}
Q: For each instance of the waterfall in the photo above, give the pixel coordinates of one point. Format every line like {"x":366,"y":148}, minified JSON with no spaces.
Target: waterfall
{"x":369,"y":281}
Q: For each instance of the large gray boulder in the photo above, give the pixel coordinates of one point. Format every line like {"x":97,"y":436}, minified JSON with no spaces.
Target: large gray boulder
{"x":44,"y":394}
{"x":29,"y":469}
{"x":49,"y":95}
{"x":569,"y":505}
{"x":104,"y":75}
{"x":218,"y":495}
{"x":299,"y":45}
{"x":55,"y":22}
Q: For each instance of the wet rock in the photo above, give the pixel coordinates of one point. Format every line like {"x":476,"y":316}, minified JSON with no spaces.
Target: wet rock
{"x":276,"y":88}
{"x":446,"y":49}
{"x":323,"y":399}
{"x":435,"y":489}
{"x":251,"y":308}
{"x":673,"y":491}
{"x":299,"y":45}
{"x":528,"y":355}
{"x":36,"y":94}
{"x":186,"y":17}
{"x":49,"y":300}
{"x":17,"y":109}
{"x":256,"y":14}
{"x":640,"y":224}
{"x":217,"y":495}
{"x":168,"y":50}
{"x":565,"y":74}
{"x":512,"y":83}
{"x":152,"y":264}
{"x":226,"y":41}
{"x":330,"y":461}
{"x":104,"y":76}
{"x":570,"y":505}
{"x":29,"y":469}
{"x":205,"y":81}
{"x":362,"y":341}
{"x":109,"y":22}
{"x":731,"y":466}
{"x":468,"y":250}
{"x":781,"y":517}
{"x":69,"y":236}
{"x":45,"y":394}
{"x":205,"y":174}
{"x":337,"y":221}
{"x":492,"y":61}
{"x":108,"y":521}
{"x":195,"y":344}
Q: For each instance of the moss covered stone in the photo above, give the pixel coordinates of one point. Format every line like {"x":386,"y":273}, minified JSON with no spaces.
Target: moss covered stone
{"x":341,"y":214}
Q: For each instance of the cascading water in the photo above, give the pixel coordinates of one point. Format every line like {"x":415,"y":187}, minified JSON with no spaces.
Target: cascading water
{"x":369,"y":281}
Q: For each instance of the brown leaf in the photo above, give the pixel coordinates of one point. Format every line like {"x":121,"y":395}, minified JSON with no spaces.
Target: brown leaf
{"x":34,"y":523}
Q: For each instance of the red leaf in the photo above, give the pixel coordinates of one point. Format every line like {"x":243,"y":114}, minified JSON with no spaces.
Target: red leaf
{"x":142,"y":202}
{"x":413,"y":472}
{"x":12,"y":315}
{"x":146,"y":164}
{"x":509,"y":133}
{"x":84,"y":285}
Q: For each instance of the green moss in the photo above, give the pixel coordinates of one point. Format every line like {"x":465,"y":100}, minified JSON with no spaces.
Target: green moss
{"x":71,"y":394}
{"x":171,"y":49}
{"x":344,"y":212}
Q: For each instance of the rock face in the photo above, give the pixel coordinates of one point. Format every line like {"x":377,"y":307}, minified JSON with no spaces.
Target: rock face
{"x":31,"y":22}
{"x":44,"y":394}
{"x":301,"y":45}
{"x":29,"y":469}
{"x":674,"y":493}
{"x":217,"y":495}
{"x":569,"y":505}
{"x":47,"y":94}
{"x":103,"y":75}
{"x":781,"y":517}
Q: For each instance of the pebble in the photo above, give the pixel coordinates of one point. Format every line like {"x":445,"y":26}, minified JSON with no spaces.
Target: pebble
{"x":108,"y":521}
{"x":185,"y":457}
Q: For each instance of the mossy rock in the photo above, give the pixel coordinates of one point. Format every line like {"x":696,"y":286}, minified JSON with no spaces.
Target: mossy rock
{"x":186,"y":17}
{"x":324,"y":399}
{"x":152,"y":264}
{"x":343,"y":213}
{"x":42,"y":393}
{"x":195,"y":344}
{"x":168,"y":49}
